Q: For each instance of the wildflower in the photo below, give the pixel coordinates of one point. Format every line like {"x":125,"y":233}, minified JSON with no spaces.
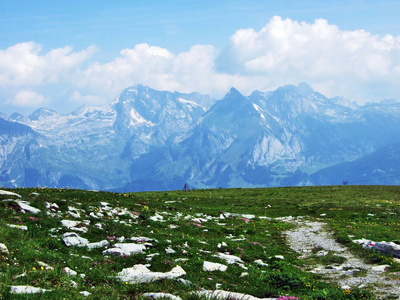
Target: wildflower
{"x":34,"y":269}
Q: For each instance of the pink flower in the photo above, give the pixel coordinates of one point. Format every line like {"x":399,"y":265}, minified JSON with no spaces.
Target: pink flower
{"x":246,"y":220}
{"x":111,"y":238}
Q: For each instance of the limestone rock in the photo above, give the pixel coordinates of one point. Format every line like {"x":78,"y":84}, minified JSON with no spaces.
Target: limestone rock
{"x":141,"y":274}
{"x":161,"y":295}
{"x":3,"y":249}
{"x":25,"y":207}
{"x":72,"y":239}
{"x":100,"y":244}
{"x":224,"y":295}
{"x":26,"y":289}
{"x":9,"y":194}
{"x":125,"y":249}
{"x":210,"y":266}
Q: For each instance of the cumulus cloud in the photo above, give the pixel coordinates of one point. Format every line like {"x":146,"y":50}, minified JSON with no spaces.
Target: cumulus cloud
{"x":321,"y":54}
{"x":354,"y":64}
{"x":28,"y":98}
{"x":24,"y":65}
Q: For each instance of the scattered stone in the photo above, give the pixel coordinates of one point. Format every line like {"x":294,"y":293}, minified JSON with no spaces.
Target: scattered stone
{"x":72,"y":239}
{"x":380,"y":268}
{"x":73,"y":284}
{"x":260,"y":262}
{"x":8,"y":194}
{"x":3,"y":249}
{"x":279,"y":257}
{"x":84,"y":293}
{"x":26,"y":289}
{"x":169,"y":250}
{"x":25,"y":207}
{"x":44,"y":265}
{"x":224,"y":295}
{"x":70,"y":272}
{"x":141,"y":274}
{"x":21,"y":227}
{"x":210,"y":266}
{"x":161,"y":295}
{"x":223,"y":244}
{"x":125,"y":249}
{"x":100,"y":244}
{"x":230,"y":259}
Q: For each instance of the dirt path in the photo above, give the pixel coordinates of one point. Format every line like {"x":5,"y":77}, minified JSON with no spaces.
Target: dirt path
{"x":312,"y":238}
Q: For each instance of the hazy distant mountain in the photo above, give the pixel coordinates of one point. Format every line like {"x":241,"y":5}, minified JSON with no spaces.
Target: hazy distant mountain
{"x":156,"y":140}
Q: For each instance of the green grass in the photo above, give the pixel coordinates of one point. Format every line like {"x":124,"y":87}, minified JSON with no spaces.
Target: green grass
{"x":347,"y":210}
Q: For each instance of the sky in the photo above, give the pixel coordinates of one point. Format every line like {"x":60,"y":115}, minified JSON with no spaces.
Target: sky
{"x":64,"y":54}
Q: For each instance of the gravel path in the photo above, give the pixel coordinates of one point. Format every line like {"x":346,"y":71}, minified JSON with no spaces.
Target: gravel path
{"x":310,"y":235}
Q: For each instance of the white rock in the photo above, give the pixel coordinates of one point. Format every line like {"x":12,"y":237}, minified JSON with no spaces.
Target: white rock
{"x":139,"y":239}
{"x":380,"y":268}
{"x":21,"y":227}
{"x":141,"y":274}
{"x":44,"y":265}
{"x":224,"y":295}
{"x":3,"y":249}
{"x":260,"y":262}
{"x":26,"y":289}
{"x":70,"y":272}
{"x":244,"y":274}
{"x":157,"y":218}
{"x":131,"y":248}
{"x":73,"y":284}
{"x":27,"y":208}
{"x":223,"y":244}
{"x":210,"y":266}
{"x":125,"y":249}
{"x":100,"y":244}
{"x":279,"y":257}
{"x":84,"y":293}
{"x":114,"y":252}
{"x":230,"y":259}
{"x":388,"y":247}
{"x":7,"y":193}
{"x":169,"y":250}
{"x":161,"y":295}
{"x":72,"y":239}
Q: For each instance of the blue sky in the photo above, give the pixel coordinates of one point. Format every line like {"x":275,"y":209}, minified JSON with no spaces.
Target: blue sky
{"x":65,"y":54}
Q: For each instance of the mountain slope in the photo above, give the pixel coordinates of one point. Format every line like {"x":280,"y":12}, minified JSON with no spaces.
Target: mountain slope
{"x":157,"y":140}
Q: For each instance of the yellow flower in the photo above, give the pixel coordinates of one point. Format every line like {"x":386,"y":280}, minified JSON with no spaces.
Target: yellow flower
{"x":41,"y":268}
{"x":34,"y":269}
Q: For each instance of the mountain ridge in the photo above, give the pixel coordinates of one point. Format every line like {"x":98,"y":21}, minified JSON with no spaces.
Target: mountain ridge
{"x":149,"y":140}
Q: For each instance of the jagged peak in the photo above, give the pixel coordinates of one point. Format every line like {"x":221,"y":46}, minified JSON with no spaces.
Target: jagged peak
{"x":41,"y":112}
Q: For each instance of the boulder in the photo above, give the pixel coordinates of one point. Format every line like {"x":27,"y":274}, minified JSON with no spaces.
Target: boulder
{"x":4,"y":194}
{"x":26,"y":289}
{"x":100,"y":244}
{"x":161,"y":295}
{"x":25,"y":207}
{"x":225,"y":295}
{"x":141,"y":274}
{"x":3,"y":249}
{"x":210,"y":266}
{"x":72,"y":239}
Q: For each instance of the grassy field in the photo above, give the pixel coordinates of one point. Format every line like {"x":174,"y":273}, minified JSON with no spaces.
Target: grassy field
{"x":369,"y":212}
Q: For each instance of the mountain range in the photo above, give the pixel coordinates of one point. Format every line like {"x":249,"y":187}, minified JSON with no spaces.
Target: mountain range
{"x":157,"y":140}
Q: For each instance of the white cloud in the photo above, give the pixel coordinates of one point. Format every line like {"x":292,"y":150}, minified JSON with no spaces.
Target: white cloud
{"x":354,"y":64}
{"x":286,"y":51}
{"x":23,"y":65}
{"x":27,"y":98}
